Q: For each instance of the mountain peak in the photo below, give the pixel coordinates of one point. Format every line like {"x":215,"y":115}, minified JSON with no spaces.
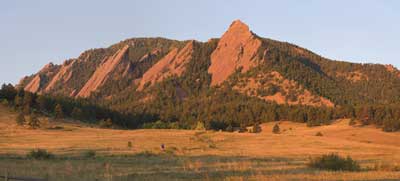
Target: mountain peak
{"x":238,"y":24}
{"x":236,"y":49}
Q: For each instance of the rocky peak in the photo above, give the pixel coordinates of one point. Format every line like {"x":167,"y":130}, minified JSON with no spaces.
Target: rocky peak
{"x":237,"y":48}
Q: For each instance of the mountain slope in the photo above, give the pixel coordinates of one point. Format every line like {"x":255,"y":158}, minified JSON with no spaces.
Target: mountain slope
{"x":137,"y":73}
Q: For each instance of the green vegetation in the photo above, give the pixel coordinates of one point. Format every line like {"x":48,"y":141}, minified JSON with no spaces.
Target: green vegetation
{"x":40,"y":154}
{"x":276,"y":129}
{"x":33,"y":121}
{"x":334,"y":162}
{"x":89,"y":154}
{"x":20,"y":119}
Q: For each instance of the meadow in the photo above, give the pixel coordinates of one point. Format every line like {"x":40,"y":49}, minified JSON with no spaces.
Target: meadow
{"x":194,"y":155}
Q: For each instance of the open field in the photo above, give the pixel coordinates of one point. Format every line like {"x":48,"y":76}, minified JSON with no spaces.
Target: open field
{"x":196,"y":154}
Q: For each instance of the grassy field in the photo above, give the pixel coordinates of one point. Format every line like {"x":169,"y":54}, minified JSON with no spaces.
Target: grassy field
{"x":195,"y":155}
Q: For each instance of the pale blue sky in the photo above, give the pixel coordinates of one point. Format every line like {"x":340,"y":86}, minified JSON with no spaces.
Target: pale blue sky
{"x":35,"y":32}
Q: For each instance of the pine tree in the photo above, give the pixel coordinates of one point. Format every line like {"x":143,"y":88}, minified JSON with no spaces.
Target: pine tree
{"x":256,"y":128}
{"x":200,"y":126}
{"x":58,"y":111}
{"x":77,"y":113}
{"x":20,"y":119}
{"x":33,"y":121}
{"x":276,"y":129}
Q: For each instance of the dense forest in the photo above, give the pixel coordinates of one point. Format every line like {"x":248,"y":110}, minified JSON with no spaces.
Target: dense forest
{"x":224,"y":110}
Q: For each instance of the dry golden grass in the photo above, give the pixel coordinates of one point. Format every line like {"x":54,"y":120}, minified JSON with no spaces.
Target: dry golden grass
{"x":231,"y":156}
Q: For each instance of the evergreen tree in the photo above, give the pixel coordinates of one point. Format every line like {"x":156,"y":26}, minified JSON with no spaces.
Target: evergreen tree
{"x":33,"y":121}
{"x":77,"y":113}
{"x":276,"y":129}
{"x":58,"y":111}
{"x":20,"y":119}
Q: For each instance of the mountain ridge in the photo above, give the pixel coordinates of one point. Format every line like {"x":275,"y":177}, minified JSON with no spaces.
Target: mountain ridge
{"x":316,"y":81}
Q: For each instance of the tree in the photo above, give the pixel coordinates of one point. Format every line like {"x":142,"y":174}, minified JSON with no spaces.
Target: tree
{"x":77,"y":113}
{"x":42,"y":102}
{"x":58,"y":111}
{"x":256,"y":128}
{"x":33,"y":121}
{"x":20,"y":119}
{"x":106,"y":123}
{"x":200,"y":126}
{"x":8,"y":92}
{"x":276,"y":129}
{"x":18,"y":101}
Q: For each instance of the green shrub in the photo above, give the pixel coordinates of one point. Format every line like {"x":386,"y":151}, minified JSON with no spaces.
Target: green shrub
{"x":33,"y":121}
{"x":20,"y":119}
{"x":129,"y":144}
{"x":319,"y":134}
{"x":146,"y":154}
{"x":352,"y":122}
{"x":40,"y":154}
{"x":334,"y":162}
{"x":276,"y":129}
{"x":106,"y":123}
{"x":89,"y":154}
{"x":200,"y":126}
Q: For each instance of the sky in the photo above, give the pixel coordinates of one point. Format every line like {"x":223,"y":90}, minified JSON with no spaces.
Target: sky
{"x":34,"y":33}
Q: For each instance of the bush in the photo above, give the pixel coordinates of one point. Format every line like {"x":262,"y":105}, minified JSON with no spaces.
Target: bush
{"x":352,"y":122}
{"x":40,"y":154}
{"x":334,"y":162}
{"x":229,"y":128}
{"x":256,"y":128}
{"x":4,"y":102}
{"x":200,"y":126}
{"x":33,"y":121}
{"x":20,"y":119}
{"x":89,"y":154}
{"x":319,"y":134}
{"x":106,"y":123}
{"x":129,"y":144}
{"x":146,"y":154}
{"x":276,"y":129}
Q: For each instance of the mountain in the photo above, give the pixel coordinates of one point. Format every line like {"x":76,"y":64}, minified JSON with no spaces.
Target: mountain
{"x":264,"y":68}
{"x":238,"y":74}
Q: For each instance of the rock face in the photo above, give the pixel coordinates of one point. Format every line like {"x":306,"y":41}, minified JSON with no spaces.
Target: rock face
{"x":34,"y":85}
{"x":172,"y":64}
{"x":101,"y":74}
{"x":63,"y":75}
{"x":38,"y":81}
{"x":237,"y":48}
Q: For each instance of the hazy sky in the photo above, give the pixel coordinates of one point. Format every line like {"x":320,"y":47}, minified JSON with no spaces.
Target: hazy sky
{"x":35,"y":32}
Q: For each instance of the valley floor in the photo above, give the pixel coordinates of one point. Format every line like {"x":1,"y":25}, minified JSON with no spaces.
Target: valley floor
{"x":196,"y":154}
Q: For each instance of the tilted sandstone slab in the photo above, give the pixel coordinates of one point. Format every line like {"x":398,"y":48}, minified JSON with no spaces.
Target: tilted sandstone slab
{"x":236,"y":49}
{"x":172,"y":64}
{"x":101,"y":75}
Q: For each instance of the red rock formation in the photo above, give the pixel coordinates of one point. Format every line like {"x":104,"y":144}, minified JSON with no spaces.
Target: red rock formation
{"x":34,"y":85}
{"x":63,"y":75}
{"x":101,"y":75}
{"x":172,"y":64}
{"x":237,"y":48}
